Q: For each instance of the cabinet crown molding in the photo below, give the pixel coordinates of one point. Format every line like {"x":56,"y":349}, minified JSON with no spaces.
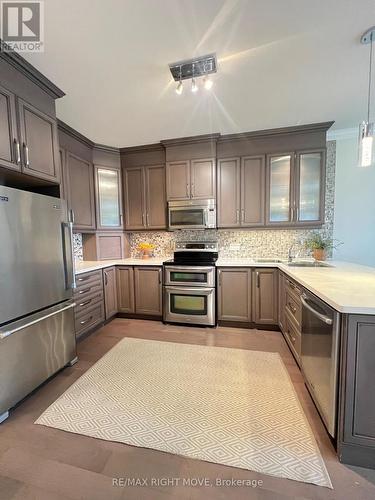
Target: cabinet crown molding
{"x":191,"y":140}
{"x":143,"y":148}
{"x":28,"y":70}
{"x":322,"y":126}
{"x":64,"y":127}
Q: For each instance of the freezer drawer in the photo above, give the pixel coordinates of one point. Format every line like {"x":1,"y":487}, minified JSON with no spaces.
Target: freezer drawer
{"x":33,"y":349}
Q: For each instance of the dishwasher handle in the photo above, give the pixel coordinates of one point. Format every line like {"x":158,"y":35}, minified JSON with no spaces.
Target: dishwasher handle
{"x":322,"y":317}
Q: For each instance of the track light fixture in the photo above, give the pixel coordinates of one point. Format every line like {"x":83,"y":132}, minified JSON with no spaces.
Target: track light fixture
{"x":194,"y":69}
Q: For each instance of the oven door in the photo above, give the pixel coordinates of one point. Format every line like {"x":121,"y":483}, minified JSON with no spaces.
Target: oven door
{"x":189,"y":305}
{"x":191,"y":217}
{"x":189,"y":276}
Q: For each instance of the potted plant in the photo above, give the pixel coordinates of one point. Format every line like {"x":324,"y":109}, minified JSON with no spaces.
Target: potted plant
{"x":146,"y":250}
{"x":320,"y":245}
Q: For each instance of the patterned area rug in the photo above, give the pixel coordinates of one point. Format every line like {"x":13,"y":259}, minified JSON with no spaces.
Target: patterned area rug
{"x":229,"y":406}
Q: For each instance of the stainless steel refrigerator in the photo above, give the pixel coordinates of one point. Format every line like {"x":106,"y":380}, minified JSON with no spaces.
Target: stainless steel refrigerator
{"x":37,"y":335}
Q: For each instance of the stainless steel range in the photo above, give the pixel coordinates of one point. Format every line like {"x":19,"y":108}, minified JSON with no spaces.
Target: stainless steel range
{"x":189,"y":284}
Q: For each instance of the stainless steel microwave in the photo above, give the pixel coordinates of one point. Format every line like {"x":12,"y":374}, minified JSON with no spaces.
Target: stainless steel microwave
{"x":192,"y":214}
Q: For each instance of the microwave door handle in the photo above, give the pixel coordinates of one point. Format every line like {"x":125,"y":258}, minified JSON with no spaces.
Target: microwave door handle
{"x":322,"y":317}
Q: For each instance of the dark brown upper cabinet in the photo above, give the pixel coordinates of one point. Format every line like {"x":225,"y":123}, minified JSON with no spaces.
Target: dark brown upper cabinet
{"x":108,"y":193}
{"x":241,"y":191}
{"x":144,"y":195}
{"x":295,"y":188}
{"x":191,"y":179}
{"x":80,"y":191}
{"x":39,"y":143}
{"x":10,"y":153}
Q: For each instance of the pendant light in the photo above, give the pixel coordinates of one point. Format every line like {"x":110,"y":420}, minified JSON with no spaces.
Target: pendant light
{"x":366,"y":128}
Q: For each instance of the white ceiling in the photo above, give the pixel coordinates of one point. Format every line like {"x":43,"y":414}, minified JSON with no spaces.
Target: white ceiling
{"x":281,"y":63}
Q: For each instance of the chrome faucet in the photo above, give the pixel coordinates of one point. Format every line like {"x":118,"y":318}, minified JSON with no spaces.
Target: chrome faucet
{"x":290,"y":251}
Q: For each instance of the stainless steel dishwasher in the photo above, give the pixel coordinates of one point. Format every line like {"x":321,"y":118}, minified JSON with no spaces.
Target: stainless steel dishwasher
{"x":320,"y":356}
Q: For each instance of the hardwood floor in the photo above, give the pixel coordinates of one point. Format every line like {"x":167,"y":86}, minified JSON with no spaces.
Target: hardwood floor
{"x":42,"y":463}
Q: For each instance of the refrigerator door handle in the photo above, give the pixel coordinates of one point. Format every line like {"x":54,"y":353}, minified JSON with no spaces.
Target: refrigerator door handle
{"x":70,"y":275}
{"x":21,"y":326}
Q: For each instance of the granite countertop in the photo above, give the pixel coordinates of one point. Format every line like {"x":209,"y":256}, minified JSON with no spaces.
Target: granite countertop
{"x":348,"y":288}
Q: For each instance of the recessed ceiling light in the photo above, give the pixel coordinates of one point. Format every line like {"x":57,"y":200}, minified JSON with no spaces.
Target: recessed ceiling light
{"x":208,"y":83}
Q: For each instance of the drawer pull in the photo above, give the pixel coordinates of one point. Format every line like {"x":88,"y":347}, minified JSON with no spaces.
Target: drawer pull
{"x":85,"y":303}
{"x":83,"y":322}
{"x":84,"y":291}
{"x":85,"y":278}
{"x":292,"y":308}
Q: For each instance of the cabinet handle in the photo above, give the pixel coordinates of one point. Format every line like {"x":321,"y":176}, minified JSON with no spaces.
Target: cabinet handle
{"x":86,"y":320}
{"x":84,"y":291}
{"x":292,"y":308}
{"x":257,"y":279}
{"x":105,"y":278}
{"x":242,"y":215}
{"x":18,"y":151}
{"x":85,"y":303}
{"x":187,"y":191}
{"x":84,"y":278}
{"x":143,"y":220}
{"x":159,"y":276}
{"x":192,"y":191}
{"x":27,"y":159}
{"x":237,"y":216}
{"x":147,"y":219}
{"x":219,"y":273}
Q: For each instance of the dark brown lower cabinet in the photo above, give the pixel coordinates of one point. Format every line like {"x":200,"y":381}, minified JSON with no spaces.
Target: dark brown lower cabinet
{"x":234,"y":294}
{"x":89,"y":300}
{"x":356,"y":441}
{"x":265,"y":296}
{"x":125,"y":289}
{"x":148,"y":290}
{"x":282,"y":301}
{"x":110,"y":291}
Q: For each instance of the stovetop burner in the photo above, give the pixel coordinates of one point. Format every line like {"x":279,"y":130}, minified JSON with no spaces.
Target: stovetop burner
{"x":195,"y":253}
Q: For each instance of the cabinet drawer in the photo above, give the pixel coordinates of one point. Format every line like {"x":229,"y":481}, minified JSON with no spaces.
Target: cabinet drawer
{"x":87,"y":279}
{"x":91,"y":318}
{"x":293,"y":337}
{"x":88,"y":290}
{"x":292,"y":288}
{"x":82,"y":306}
{"x":294,"y":307}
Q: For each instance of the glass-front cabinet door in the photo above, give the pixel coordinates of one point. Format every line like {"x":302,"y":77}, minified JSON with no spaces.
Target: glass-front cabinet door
{"x":280,"y":189}
{"x":310,"y":190}
{"x":108,"y":192}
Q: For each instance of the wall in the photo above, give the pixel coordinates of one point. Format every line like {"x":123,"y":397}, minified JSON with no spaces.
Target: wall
{"x":354,"y":220}
{"x":245,"y":243}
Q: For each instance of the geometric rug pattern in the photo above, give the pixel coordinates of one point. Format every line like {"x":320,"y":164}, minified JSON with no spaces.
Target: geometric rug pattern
{"x":229,"y":406}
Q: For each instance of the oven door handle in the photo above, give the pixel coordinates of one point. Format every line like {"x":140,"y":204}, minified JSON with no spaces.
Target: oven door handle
{"x":189,"y":269}
{"x":182,"y":289}
{"x":322,"y":317}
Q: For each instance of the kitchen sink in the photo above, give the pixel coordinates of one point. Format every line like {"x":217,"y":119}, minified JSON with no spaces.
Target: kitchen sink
{"x":265,"y":261}
{"x":305,"y":263}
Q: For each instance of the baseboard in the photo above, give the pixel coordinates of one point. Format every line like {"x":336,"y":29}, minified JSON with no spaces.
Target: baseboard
{"x":249,"y":326}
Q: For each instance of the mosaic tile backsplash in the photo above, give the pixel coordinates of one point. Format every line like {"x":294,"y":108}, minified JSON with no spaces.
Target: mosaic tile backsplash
{"x":245,"y":243}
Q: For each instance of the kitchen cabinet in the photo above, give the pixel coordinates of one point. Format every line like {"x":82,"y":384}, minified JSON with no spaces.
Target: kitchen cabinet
{"x":191,"y":179}
{"x":89,"y":300}
{"x":80,"y":191}
{"x":241,"y":191}
{"x":39,"y":143}
{"x":125,"y":289}
{"x":105,"y":245}
{"x":295,"y":188}
{"x":110,"y":291}
{"x":144,"y":193}
{"x":10,"y":153}
{"x":282,"y":302}
{"x":31,"y":148}
{"x":234,"y":294}
{"x":148,"y":290}
{"x":356,"y":428}
{"x":265,"y":296}
{"x":108,"y":198}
